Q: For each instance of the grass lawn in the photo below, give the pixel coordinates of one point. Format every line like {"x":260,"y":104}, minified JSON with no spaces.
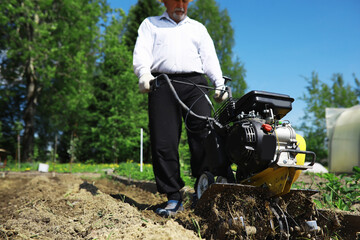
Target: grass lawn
{"x":126,"y":169}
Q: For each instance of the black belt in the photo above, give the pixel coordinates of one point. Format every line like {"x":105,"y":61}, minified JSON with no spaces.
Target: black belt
{"x":184,"y":75}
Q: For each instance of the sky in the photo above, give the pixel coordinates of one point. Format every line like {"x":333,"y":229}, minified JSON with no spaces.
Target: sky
{"x":281,"y":42}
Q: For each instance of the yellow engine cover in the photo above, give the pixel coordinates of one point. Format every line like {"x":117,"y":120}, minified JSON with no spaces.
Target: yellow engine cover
{"x":279,"y":179}
{"x":300,"y":158}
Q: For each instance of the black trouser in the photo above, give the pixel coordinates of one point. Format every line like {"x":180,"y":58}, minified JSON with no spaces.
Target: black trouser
{"x":165,"y":120}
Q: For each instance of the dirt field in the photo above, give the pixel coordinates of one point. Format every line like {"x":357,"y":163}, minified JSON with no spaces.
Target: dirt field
{"x":68,"y":206}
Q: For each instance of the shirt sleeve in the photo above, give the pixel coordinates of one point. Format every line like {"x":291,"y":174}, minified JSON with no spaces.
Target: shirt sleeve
{"x":142,"y":56}
{"x":210,"y":61}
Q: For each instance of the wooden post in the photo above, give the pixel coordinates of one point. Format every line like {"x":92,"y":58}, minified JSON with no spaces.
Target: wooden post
{"x":18,"y":147}
{"x":141,"y":150}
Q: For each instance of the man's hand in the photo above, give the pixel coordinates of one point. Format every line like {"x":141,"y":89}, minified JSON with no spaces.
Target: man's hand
{"x":221,"y":94}
{"x":144,"y":82}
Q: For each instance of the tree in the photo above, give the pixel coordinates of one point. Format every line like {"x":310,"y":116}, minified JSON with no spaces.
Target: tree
{"x":117,"y":113}
{"x":320,"y":96}
{"x":141,"y":10}
{"x":11,"y":103}
{"x":48,"y":43}
{"x":218,"y":24}
{"x":73,"y":92}
{"x":24,"y":30}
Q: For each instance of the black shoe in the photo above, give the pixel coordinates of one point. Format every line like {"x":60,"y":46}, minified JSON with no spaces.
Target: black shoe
{"x":171,"y":209}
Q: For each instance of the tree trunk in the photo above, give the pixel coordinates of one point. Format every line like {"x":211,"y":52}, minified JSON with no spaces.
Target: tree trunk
{"x":32,"y":93}
{"x":29,"y":114}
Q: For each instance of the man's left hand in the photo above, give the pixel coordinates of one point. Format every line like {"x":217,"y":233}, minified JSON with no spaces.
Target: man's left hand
{"x":221,"y":94}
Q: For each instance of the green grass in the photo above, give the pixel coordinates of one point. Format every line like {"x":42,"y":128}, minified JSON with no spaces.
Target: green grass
{"x":132,"y":170}
{"x":340,"y":191}
{"x":60,"y":167}
{"x":126,"y":169}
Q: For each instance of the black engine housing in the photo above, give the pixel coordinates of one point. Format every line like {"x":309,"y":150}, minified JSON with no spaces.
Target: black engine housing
{"x":250,"y":147}
{"x":241,"y":139}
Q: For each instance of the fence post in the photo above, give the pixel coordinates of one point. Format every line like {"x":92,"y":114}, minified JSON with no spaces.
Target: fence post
{"x":141,"y":150}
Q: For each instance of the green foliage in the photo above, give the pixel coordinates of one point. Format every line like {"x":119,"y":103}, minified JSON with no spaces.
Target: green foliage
{"x":320,"y":96}
{"x":79,"y":167}
{"x":60,"y":168}
{"x":119,"y":111}
{"x":127,"y":169}
{"x":68,"y":100}
{"x":14,"y":166}
{"x":341,"y":191}
{"x":184,"y":151}
{"x":49,"y":48}
{"x":11,"y":97}
{"x":218,"y":24}
{"x":132,"y":170}
{"x":197,"y":227}
{"x":336,"y":191}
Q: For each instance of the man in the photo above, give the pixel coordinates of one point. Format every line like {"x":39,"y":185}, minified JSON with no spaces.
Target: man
{"x":182,"y":48}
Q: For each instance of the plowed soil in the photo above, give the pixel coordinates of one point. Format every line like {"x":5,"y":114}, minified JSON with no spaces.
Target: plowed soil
{"x":69,"y":206}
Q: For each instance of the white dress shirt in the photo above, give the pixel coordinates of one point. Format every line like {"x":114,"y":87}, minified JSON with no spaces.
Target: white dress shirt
{"x":163,"y":46}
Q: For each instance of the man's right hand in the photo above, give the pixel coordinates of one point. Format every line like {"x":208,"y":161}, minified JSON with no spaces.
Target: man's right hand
{"x":220,"y":94}
{"x":144,"y":82}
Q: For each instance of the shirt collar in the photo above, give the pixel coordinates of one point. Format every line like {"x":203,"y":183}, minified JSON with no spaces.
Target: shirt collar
{"x":165,"y":15}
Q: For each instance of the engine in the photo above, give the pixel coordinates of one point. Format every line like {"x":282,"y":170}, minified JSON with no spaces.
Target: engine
{"x":256,"y":137}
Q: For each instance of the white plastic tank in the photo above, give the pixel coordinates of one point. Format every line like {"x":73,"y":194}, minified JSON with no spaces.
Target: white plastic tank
{"x":343,"y":130}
